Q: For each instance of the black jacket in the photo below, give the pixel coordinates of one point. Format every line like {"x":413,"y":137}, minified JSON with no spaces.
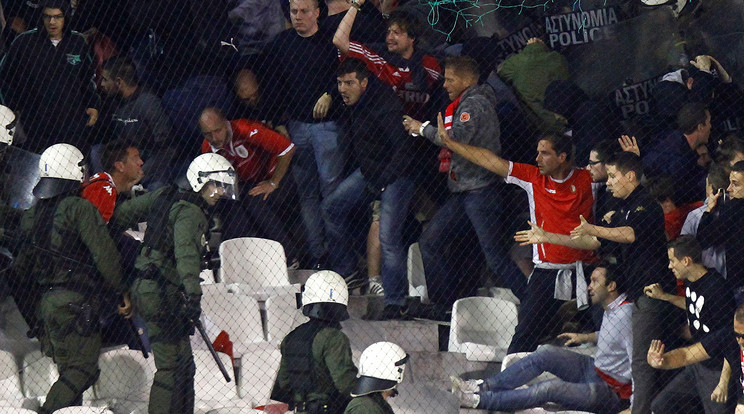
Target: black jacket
{"x":376,"y":138}
{"x":51,"y":87}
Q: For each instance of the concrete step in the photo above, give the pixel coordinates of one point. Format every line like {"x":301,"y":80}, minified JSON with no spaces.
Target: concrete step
{"x":412,"y":336}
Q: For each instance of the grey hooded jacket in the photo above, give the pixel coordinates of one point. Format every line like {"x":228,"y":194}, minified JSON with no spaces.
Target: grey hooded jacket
{"x":474,"y":123}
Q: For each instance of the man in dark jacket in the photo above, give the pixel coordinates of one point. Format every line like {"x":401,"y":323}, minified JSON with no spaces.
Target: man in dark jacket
{"x":382,"y":152}
{"x":47,"y":76}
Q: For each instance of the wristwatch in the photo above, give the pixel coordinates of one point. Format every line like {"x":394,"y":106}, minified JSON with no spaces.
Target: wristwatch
{"x":355,"y":4}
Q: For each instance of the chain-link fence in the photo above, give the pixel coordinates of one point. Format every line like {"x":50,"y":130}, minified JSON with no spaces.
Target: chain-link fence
{"x":244,"y":206}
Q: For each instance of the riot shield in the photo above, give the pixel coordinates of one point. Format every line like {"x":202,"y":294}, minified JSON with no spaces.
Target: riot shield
{"x":21,"y":175}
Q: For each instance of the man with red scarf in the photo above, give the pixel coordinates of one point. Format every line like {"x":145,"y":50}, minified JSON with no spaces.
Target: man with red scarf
{"x":475,"y":202}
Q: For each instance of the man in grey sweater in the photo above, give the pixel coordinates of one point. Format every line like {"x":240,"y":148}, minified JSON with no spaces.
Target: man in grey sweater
{"x":475,"y":203}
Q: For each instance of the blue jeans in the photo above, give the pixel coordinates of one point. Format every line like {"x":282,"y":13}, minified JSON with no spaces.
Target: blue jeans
{"x":479,"y":209}
{"x":317,"y":168}
{"x":350,"y":196}
{"x":578,"y":387}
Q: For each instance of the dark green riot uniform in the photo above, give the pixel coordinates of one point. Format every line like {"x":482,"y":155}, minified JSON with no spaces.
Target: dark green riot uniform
{"x":64,"y":242}
{"x":166,"y":292}
{"x":317,"y":373}
{"x":369,"y":404}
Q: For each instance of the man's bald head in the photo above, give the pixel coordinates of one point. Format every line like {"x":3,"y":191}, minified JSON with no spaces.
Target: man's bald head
{"x":213,"y":125}
{"x":246,"y":87}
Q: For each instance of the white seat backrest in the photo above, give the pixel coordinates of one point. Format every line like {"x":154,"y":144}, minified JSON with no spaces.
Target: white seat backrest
{"x":259,"y":367}
{"x":492,"y":319}
{"x":253,"y":261}
{"x":238,"y":315}
{"x":125,"y":375}
{"x":39,"y":373}
{"x":282,"y":316}
{"x":83,"y":410}
{"x":16,"y":410}
{"x":10,"y":380}
{"x":209,"y":383}
{"x":206,"y":277}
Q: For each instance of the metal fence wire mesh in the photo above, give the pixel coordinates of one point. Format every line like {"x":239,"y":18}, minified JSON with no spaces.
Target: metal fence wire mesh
{"x":239,"y":206}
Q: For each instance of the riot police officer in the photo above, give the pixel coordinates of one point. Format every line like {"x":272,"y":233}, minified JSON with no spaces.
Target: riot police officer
{"x":317,"y":373}
{"x":166,"y":292}
{"x":381,"y":369}
{"x":64,"y":242}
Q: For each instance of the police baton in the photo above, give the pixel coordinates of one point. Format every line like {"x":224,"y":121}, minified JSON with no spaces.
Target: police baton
{"x":198,"y":325}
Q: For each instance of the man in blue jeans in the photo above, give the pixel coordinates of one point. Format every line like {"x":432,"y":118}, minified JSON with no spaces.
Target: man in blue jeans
{"x":383,"y":154}
{"x":599,"y":385}
{"x":475,"y":202}
{"x":302,"y":61}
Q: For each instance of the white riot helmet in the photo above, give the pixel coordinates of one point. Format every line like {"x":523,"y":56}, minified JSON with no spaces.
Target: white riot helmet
{"x":7,"y":125}
{"x":381,"y":368}
{"x":216,"y":169}
{"x":61,"y":169}
{"x":326,"y":297}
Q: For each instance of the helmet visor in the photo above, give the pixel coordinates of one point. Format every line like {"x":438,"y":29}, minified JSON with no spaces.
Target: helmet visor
{"x":217,"y":189}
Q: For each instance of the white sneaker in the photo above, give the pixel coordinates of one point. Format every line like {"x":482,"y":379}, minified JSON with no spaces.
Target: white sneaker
{"x":375,"y":287}
{"x":467,"y":386}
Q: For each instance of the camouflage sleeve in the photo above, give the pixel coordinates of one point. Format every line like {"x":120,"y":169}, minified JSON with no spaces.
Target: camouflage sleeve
{"x":189,"y":241}
{"x":95,"y":235}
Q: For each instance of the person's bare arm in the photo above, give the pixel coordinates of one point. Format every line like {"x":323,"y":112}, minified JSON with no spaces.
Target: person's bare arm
{"x":341,"y":38}
{"x":478,"y":156}
{"x":656,"y":292}
{"x":624,"y":234}
{"x":537,"y":235}
{"x":267,"y":187}
{"x":678,"y":358}
{"x":720,"y":393}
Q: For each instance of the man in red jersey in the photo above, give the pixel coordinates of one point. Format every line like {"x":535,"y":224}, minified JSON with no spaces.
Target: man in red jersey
{"x":559,"y":194}
{"x":261,"y":158}
{"x":122,"y":171}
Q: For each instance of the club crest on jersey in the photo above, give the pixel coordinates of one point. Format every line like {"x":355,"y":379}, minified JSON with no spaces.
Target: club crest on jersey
{"x":464,"y":117}
{"x":573,"y":188}
{"x":241,"y":151}
{"x":73,"y":59}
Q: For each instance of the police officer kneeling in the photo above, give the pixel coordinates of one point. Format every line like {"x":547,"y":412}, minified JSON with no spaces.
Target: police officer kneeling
{"x":67,"y":249}
{"x":166,"y":292}
{"x":381,"y":369}
{"x":317,"y":374}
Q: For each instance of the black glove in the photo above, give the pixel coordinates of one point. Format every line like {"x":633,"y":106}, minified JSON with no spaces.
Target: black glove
{"x":192,"y":307}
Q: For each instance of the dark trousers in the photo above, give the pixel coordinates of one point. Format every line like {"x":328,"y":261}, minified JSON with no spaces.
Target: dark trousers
{"x":652,"y":319}
{"x":689,"y":392}
{"x":536,"y":311}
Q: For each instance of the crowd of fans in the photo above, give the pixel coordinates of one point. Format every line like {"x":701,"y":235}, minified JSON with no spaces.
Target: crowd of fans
{"x":354,"y":134}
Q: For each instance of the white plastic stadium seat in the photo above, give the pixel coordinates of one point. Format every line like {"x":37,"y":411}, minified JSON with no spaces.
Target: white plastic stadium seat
{"x":482,"y":328}
{"x":11,"y":394}
{"x":238,"y":315}
{"x":15,"y":410}
{"x":125,"y":380}
{"x":83,"y":410}
{"x":212,"y":391}
{"x":282,"y":316}
{"x":39,"y":373}
{"x":416,"y":277}
{"x":258,"y":368}
{"x":253,"y":262}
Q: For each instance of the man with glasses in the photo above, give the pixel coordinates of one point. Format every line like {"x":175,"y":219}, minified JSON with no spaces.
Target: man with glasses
{"x":47,"y":76}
